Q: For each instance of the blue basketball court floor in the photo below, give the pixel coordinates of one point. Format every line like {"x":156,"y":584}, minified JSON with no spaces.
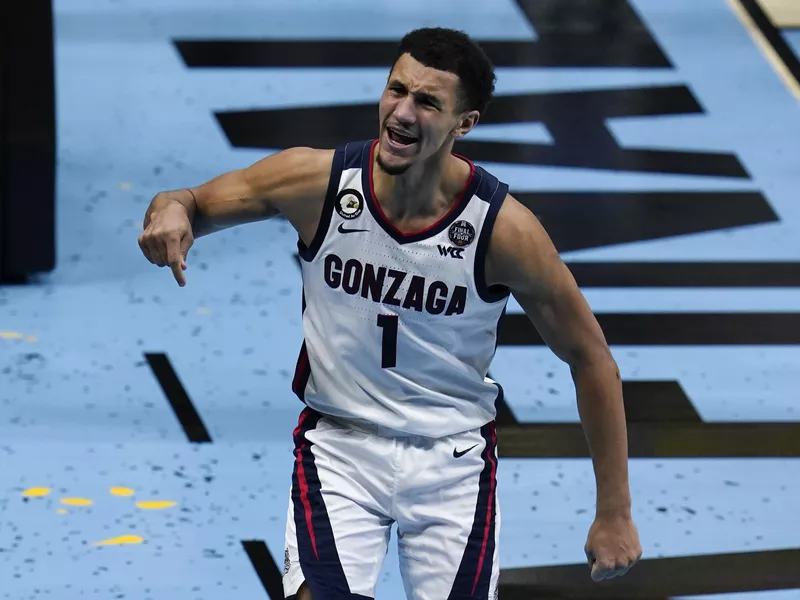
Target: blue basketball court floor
{"x":145,"y":429}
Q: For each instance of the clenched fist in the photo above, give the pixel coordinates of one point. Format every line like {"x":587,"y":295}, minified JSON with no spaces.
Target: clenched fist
{"x":167,"y":238}
{"x":612,"y":547}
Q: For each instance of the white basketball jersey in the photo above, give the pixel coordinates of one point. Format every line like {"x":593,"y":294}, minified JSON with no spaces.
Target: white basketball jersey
{"x":400,"y":328}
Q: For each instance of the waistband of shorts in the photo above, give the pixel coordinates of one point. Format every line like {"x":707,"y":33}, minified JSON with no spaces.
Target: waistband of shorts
{"x":370,"y":427}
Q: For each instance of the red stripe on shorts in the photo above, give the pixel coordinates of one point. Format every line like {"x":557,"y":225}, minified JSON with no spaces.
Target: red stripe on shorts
{"x":493,"y":462}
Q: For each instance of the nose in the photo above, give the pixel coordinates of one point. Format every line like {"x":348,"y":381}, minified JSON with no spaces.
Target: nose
{"x":404,"y":111}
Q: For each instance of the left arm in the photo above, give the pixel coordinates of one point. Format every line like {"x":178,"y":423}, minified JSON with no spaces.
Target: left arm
{"x":522,"y":257}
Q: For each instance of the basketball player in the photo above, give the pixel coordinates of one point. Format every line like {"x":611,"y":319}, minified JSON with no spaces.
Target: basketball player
{"x":409,"y":254}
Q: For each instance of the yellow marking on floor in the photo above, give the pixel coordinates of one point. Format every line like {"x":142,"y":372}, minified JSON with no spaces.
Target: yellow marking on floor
{"x":121,"y":540}
{"x":766,"y":48}
{"x":77,"y":501}
{"x":62,"y":511}
{"x":121,"y":491}
{"x":124,"y":186}
{"x":14,"y":335}
{"x":782,"y":13}
{"x":156,"y":504}
{"x":35,"y":492}
{"x":202,"y":310}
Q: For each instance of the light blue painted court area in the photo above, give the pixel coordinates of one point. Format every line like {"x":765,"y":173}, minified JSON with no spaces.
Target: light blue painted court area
{"x":81,"y":413}
{"x":793,"y":37}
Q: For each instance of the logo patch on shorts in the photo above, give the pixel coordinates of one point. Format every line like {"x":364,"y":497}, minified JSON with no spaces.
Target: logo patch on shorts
{"x":287,"y":563}
{"x":349,"y":203}
{"x":459,"y":453}
{"x":461,"y":233}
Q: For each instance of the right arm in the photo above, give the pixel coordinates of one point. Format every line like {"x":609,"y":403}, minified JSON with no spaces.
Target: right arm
{"x":292,"y":182}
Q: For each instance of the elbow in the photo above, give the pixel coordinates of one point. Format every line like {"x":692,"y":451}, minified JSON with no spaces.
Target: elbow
{"x":597,"y":356}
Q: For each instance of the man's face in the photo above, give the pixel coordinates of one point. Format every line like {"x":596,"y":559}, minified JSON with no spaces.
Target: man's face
{"x":418,"y":114}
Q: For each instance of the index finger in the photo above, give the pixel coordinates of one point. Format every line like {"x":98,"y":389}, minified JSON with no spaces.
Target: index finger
{"x":177,"y":271}
{"x":175,"y":260}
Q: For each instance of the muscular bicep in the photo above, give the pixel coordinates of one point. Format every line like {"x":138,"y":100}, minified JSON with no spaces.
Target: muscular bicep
{"x":523,"y":258}
{"x":288,"y":182}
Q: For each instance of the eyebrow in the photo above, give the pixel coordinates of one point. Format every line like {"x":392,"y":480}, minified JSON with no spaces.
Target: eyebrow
{"x":422,"y":95}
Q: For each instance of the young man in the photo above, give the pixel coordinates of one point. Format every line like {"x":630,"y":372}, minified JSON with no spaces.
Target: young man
{"x":409,"y":254}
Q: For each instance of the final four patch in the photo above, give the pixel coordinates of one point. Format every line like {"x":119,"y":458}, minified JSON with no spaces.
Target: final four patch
{"x":349,"y":203}
{"x":461,"y":233}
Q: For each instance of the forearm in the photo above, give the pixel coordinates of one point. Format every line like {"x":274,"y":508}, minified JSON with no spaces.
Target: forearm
{"x":602,"y":413}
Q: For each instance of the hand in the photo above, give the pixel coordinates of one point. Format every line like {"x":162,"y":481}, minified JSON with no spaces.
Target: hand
{"x":612,"y":547}
{"x":167,"y":238}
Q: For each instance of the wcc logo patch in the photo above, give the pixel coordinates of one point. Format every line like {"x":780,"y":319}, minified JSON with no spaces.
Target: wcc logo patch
{"x":349,"y":203}
{"x":450,"y":251}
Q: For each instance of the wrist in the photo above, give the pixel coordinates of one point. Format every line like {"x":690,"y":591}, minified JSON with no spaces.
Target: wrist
{"x":183,"y":198}
{"x":615,"y":513}
{"x":614,"y":502}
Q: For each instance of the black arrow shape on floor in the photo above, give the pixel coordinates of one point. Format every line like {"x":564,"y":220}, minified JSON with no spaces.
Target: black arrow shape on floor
{"x":662,"y":423}
{"x":178,"y":398}
{"x":659,"y":578}
{"x":266,"y":568}
{"x":672,"y":329}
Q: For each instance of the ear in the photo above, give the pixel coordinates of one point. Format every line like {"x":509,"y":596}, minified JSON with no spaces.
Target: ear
{"x":465,"y":124}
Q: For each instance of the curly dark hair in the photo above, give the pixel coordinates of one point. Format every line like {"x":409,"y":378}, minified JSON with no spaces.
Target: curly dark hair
{"x":453,"y":51}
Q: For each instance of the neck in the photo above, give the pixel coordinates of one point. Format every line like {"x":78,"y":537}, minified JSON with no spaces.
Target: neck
{"x":422,"y":191}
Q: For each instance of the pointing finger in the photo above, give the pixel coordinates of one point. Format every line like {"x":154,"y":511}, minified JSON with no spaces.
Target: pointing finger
{"x":177,"y":271}
{"x":175,"y":259}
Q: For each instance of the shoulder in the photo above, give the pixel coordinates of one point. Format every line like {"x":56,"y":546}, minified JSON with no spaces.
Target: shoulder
{"x":519,"y":247}
{"x":513,"y":219}
{"x":295,"y":174}
{"x":310,"y":168}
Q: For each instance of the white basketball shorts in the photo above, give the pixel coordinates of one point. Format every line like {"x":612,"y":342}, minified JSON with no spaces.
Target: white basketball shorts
{"x":350,"y":485}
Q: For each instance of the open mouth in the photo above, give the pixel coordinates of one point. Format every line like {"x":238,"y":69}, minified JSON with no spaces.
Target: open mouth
{"x":401,"y":139}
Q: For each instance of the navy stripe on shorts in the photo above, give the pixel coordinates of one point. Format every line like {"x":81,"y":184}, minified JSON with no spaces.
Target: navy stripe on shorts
{"x":316,"y":545}
{"x":474,"y":574}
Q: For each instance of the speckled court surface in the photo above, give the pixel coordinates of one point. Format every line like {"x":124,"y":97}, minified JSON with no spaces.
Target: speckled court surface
{"x":104,"y":493}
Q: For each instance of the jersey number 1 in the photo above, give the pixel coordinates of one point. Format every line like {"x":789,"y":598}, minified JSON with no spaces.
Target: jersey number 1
{"x":389,"y":347}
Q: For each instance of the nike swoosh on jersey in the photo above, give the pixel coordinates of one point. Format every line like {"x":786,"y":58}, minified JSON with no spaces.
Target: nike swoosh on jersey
{"x":458,"y":454}
{"x":343,"y":230}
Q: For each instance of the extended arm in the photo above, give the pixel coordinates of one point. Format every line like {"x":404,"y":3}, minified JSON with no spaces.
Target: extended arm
{"x":292,"y":182}
{"x":277,"y":183}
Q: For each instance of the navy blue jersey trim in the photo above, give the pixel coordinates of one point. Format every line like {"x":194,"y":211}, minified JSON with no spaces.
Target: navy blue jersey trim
{"x":353,"y":152}
{"x":302,"y":369}
{"x":487,"y":293}
{"x":438,"y":227}
{"x":308,"y":253}
{"x":487,"y":187}
{"x":501,"y":394}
